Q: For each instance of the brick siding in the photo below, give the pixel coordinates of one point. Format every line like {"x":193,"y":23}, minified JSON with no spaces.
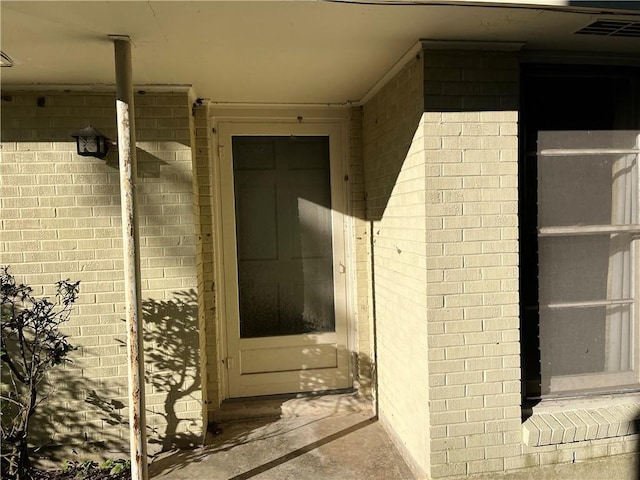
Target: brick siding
{"x":61,"y":218}
{"x":365,"y":371}
{"x":394,"y":172}
{"x":441,"y":186}
{"x":471,"y":139}
{"x":206,"y":232}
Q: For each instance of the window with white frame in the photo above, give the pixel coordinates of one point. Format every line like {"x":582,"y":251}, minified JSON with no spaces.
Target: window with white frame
{"x":588,"y":236}
{"x":580,"y":230}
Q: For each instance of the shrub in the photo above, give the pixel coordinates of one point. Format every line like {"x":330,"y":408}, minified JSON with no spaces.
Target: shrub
{"x":32,"y":345}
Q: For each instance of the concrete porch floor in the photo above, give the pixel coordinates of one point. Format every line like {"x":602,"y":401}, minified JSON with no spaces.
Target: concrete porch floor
{"x":329,"y":437}
{"x":312,"y":437}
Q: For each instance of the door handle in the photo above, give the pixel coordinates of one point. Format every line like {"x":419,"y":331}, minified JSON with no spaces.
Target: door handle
{"x":341,"y":268}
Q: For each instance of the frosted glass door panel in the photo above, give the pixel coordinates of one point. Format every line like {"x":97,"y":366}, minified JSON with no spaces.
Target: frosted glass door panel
{"x":284,"y":235}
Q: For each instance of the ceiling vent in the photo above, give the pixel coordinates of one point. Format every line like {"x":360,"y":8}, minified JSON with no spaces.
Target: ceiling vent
{"x":612,"y":28}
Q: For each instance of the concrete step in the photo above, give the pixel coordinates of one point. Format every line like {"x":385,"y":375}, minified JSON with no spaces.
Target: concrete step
{"x":284,"y":406}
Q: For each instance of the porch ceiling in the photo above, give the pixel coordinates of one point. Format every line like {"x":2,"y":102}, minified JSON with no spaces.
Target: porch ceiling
{"x":269,"y":52}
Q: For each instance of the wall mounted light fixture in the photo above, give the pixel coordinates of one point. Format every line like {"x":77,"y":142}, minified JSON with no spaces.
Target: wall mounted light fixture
{"x":5,"y":60}
{"x":91,"y":142}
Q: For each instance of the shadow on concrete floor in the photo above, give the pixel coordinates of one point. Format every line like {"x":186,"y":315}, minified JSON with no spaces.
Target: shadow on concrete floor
{"x":326,"y":437}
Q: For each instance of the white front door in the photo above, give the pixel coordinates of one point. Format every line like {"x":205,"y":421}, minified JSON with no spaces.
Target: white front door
{"x":284,"y":268}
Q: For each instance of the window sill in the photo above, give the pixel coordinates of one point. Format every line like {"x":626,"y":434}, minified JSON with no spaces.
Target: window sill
{"x":575,"y":420}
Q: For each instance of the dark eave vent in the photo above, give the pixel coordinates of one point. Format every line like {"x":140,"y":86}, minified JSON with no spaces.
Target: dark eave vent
{"x":612,"y":28}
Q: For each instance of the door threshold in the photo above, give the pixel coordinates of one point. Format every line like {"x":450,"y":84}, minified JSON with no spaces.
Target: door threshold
{"x":329,"y":402}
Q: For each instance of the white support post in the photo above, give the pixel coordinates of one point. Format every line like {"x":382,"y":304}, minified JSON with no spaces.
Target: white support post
{"x":131,"y":245}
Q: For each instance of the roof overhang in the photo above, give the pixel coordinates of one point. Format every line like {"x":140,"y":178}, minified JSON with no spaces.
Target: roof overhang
{"x":313,"y":52}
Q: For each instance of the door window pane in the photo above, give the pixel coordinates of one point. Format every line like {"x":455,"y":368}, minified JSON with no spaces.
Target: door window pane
{"x":284,"y":235}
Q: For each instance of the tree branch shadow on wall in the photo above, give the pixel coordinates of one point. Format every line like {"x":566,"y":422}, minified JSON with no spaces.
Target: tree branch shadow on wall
{"x":171,"y":357}
{"x":172,"y":362}
{"x":172,"y":373}
{"x":69,"y":431}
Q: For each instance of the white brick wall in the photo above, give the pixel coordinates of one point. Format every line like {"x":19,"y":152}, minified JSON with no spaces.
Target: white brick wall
{"x":365,"y":369}
{"x":206,"y":231}
{"x":471,"y":139}
{"x":433,"y":178}
{"x":394,"y":173}
{"x":61,"y":219}
{"x":441,"y":179}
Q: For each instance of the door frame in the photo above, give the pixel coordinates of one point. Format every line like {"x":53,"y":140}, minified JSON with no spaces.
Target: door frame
{"x":331,"y":122}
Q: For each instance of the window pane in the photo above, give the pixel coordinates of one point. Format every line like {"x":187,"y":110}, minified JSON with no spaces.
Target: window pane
{"x":585,"y":280}
{"x":572,"y":340}
{"x":584,"y":188}
{"x":584,"y":268}
{"x":574,"y":191}
{"x":584,"y":341}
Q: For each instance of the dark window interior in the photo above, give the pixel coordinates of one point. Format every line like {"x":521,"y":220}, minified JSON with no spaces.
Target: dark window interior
{"x":555,"y":97}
